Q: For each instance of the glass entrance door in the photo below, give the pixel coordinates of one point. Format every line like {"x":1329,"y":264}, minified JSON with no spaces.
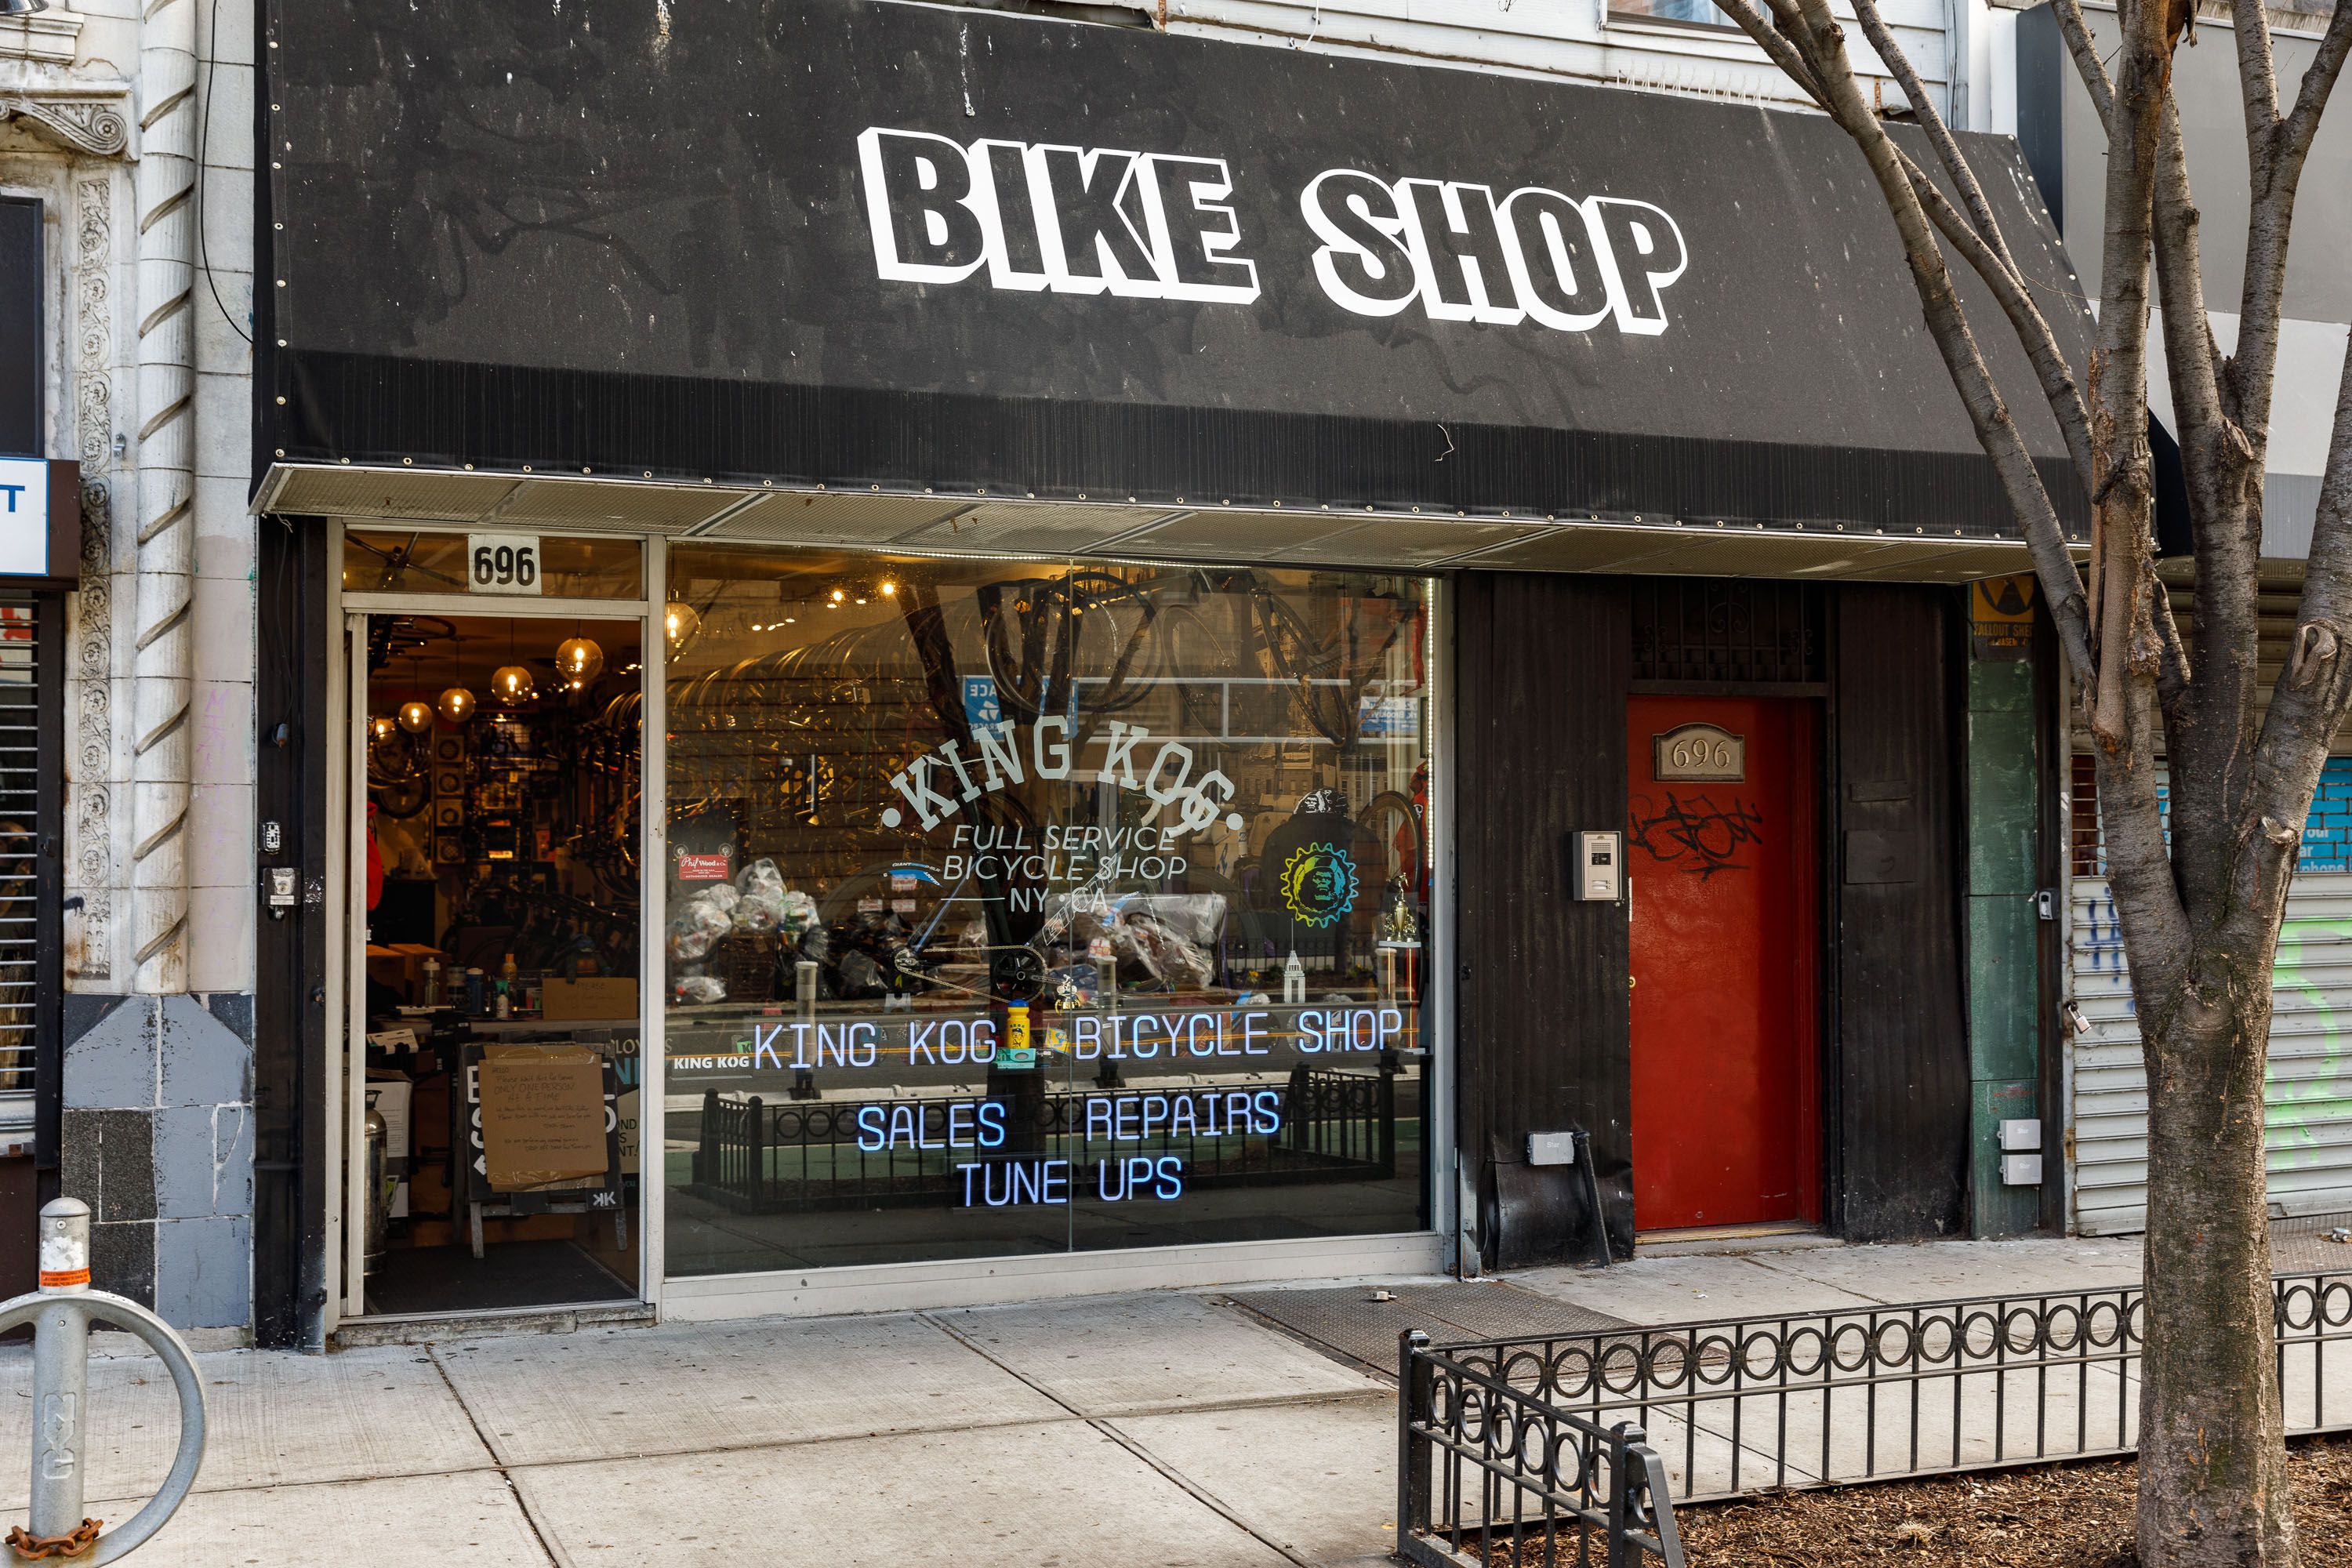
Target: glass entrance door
{"x":496,"y":965}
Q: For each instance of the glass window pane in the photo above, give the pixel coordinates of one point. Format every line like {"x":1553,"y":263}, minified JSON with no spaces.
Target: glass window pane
{"x":403,"y":561}
{"x":1702,"y":13}
{"x":1016,"y":908}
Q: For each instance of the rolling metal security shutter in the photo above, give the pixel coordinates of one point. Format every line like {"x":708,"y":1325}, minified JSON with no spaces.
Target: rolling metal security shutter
{"x":20,"y":802}
{"x":2308,"y":1090}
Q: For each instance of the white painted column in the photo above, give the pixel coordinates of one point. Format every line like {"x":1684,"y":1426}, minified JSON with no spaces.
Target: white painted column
{"x":164,"y":519}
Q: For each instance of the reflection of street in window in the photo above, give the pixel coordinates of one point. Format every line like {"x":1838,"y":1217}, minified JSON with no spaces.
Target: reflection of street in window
{"x":1167,"y":821}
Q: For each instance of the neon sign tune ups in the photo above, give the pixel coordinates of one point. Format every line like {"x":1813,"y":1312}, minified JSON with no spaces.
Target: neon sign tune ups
{"x":1160,"y":225}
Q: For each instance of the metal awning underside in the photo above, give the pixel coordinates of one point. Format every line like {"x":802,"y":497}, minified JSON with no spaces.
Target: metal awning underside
{"x":983,"y":526}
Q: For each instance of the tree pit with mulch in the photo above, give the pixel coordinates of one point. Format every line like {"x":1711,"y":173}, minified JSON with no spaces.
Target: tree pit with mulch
{"x":2057,"y":1516}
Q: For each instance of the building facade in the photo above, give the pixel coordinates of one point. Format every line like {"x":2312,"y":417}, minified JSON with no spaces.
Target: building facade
{"x":125,"y":173}
{"x":2309,"y":1085}
{"x":910,"y":655}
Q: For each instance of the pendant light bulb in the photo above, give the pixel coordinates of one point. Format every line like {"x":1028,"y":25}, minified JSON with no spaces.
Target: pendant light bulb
{"x":382,"y":726}
{"x":680,"y":621}
{"x":415,"y":717}
{"x":456,"y":705}
{"x":512,"y":683}
{"x":579,"y":661}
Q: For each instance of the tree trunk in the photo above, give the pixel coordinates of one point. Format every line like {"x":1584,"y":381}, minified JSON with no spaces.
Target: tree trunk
{"x":2212,"y":1461}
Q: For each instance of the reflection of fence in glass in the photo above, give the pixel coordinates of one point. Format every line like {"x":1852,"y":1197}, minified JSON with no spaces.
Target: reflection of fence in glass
{"x":756,"y":1156}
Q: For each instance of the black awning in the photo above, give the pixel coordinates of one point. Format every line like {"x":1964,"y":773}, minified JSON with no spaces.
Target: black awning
{"x":897,"y":247}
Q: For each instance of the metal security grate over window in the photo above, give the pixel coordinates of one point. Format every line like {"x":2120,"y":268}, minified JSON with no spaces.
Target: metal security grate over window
{"x":1701,"y":629}
{"x":20,"y":789}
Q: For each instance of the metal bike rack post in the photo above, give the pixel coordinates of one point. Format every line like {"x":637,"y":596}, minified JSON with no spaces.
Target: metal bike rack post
{"x":61,"y":1313}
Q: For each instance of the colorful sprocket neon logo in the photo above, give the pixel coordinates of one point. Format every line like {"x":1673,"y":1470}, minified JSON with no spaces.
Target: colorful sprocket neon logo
{"x":1318,"y":884}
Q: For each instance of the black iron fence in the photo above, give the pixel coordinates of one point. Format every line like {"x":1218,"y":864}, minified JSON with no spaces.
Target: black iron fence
{"x":763,"y":1156}
{"x":1490,"y":1475}
{"x":1742,"y":1405}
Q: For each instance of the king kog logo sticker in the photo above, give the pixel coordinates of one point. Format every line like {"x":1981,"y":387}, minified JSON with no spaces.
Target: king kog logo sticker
{"x":941,"y":781}
{"x":1044,"y":218}
{"x":1318,"y":884}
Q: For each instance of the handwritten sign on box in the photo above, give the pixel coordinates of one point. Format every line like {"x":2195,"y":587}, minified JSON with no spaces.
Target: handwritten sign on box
{"x":543,"y":1118}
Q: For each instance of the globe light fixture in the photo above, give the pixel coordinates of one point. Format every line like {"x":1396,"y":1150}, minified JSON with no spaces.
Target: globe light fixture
{"x":512,"y":683}
{"x":382,"y":726}
{"x":415,"y":717}
{"x":456,"y":705}
{"x":680,"y":621}
{"x":579,"y":660}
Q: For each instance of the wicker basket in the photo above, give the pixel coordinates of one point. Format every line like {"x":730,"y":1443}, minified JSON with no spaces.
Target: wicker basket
{"x":745,"y":964}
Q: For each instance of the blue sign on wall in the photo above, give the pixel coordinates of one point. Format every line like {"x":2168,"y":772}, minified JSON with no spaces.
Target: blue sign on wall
{"x":979,"y":706}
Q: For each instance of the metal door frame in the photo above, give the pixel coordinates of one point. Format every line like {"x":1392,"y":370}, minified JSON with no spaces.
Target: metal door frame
{"x":349,"y":951}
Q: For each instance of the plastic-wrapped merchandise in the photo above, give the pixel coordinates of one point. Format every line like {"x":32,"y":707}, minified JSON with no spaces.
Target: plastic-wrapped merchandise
{"x":760,"y":890}
{"x":696,"y":927}
{"x":1165,"y":937}
{"x":700,"y":988}
{"x":721,"y":896}
{"x":859,"y":977}
{"x":799,"y":913}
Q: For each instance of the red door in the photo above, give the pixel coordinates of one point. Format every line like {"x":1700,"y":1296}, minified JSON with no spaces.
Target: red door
{"x":1722,"y":873}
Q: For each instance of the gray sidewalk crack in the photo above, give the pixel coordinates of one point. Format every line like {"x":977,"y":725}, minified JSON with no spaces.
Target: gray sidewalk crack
{"x":1103,"y":1425}
{"x":539,"y":1530}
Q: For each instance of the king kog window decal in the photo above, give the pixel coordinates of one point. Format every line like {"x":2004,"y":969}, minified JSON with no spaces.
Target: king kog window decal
{"x":1158,"y":226}
{"x":941,"y":781}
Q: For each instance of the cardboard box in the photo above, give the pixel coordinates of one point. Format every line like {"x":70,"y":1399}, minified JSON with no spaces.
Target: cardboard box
{"x":543,"y":1112}
{"x":601,"y":998}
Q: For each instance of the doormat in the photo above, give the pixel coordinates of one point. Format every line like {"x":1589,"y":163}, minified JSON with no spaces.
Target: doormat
{"x":1349,"y":1323}
{"x":2312,"y":1244}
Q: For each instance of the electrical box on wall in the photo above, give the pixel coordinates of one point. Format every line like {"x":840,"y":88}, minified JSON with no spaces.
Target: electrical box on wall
{"x":2021,"y":1170}
{"x":2021,"y":1135}
{"x":1551,"y":1148}
{"x":1600,"y":867}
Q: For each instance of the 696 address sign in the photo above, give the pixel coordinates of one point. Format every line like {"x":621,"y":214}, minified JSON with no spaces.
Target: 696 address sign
{"x":503,"y":563}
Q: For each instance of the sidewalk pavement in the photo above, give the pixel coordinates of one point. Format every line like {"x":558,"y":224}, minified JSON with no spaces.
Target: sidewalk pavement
{"x":1164,"y":1430}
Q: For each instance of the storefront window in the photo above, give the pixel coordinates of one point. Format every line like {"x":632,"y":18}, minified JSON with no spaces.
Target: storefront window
{"x":493,"y":566}
{"x":1016,"y":908}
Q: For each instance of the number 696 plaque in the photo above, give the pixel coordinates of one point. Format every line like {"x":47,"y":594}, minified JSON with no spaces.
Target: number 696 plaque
{"x":1698,"y":752}
{"x":502,"y":564}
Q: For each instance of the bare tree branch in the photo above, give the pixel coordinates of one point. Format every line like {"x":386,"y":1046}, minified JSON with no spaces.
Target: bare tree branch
{"x":2210,"y":731}
{"x":1985,"y":250}
{"x":2172,"y":669}
{"x":1770,"y":38}
{"x":2319,"y":81}
{"x":2308,"y":703}
{"x":2190,"y":354}
{"x":2025,"y":317}
{"x":2323,"y":620}
{"x":2257,"y":77}
{"x":1939,"y":135}
{"x":2087,"y":64}
{"x":2276,"y":151}
{"x":1808,"y":27}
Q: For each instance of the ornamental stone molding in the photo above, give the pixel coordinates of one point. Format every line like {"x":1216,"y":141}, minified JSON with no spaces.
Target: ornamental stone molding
{"x":45,"y":37}
{"x":93,"y":125}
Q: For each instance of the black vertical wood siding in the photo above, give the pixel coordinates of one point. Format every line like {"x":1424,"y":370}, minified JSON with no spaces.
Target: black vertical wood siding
{"x":1542,"y":1026}
{"x":293,"y":1066}
{"x":1899,"y":1070}
{"x":22,"y":275}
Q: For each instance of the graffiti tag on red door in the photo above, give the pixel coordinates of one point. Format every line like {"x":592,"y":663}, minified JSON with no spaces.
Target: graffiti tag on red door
{"x":1693,"y":834}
